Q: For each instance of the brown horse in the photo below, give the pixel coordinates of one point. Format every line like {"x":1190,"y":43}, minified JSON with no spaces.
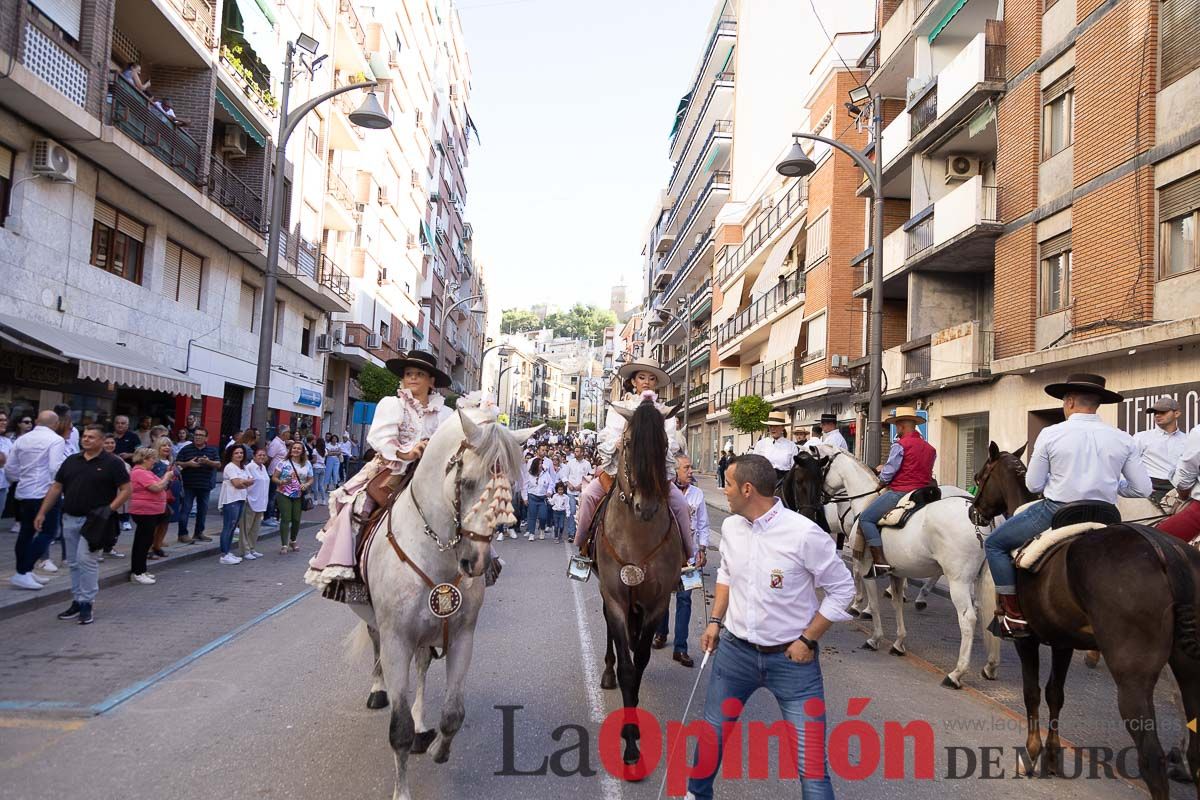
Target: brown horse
{"x":1126,"y":591}
{"x":638,"y":558}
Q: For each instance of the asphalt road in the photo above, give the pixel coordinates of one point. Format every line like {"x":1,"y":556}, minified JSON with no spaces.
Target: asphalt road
{"x":232,"y":682}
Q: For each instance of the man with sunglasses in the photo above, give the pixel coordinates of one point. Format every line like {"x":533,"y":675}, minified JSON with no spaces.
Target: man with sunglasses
{"x":1160,"y":447}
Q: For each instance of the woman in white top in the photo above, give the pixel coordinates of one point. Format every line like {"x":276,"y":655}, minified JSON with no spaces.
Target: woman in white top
{"x":318,"y":458}
{"x":539,"y":485}
{"x":232,"y":499}
{"x":399,"y":432}
{"x":256,"y":504}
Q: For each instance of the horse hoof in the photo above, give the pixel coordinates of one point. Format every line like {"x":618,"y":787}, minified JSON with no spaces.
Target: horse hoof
{"x":896,"y":651}
{"x":921,"y":604}
{"x":950,"y":683}
{"x":1176,"y":771}
{"x":868,"y":646}
{"x":1091,"y":660}
{"x":443,"y":756}
{"x":854,"y":612}
{"x":993,"y":675}
{"x":865,"y":615}
{"x":422,"y":741}
{"x":377,"y":699}
{"x":608,"y":681}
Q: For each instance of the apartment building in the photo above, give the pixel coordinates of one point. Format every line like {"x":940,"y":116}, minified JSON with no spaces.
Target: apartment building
{"x":132,"y":235}
{"x":1040,"y":216}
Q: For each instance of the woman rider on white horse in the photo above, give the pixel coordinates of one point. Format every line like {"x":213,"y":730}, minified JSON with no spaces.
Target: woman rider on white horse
{"x":401,"y":428}
{"x":638,"y":378}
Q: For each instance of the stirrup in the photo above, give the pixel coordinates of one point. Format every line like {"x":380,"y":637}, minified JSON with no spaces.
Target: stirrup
{"x":579,"y":568}
{"x":879,"y":571}
{"x":1011,"y":627}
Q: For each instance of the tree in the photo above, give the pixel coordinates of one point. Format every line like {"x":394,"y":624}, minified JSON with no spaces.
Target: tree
{"x":589,"y":426}
{"x":518,"y":320}
{"x":748,"y":413}
{"x":556,"y":424}
{"x":377,"y":383}
{"x":581,"y":321}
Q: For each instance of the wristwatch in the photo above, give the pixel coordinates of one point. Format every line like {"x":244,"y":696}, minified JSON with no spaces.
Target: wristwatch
{"x":718,"y":621}
{"x":809,"y":643}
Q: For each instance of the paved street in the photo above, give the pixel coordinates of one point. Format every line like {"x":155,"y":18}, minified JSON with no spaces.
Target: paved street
{"x":277,"y":710}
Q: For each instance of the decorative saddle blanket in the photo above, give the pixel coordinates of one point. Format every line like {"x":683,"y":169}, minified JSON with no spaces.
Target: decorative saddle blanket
{"x":910,"y":504}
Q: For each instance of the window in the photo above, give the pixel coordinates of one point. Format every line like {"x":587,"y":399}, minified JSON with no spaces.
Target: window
{"x":312,"y":141}
{"x":182,"y":271}
{"x":1054,"y":274}
{"x":816,"y":338}
{"x":972,"y":447}
{"x":384,"y":330}
{"x":1179,"y":26}
{"x":118,"y":243}
{"x":306,"y":336}
{"x":280,"y":309}
{"x":1178,"y":214}
{"x":6,"y":164}
{"x":248,"y":308}
{"x":1058,"y":115}
{"x":817,"y":245}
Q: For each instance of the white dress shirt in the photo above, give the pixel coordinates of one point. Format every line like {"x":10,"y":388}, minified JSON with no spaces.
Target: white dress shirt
{"x":1188,"y":468}
{"x":835,"y":438}
{"x":573,"y":472}
{"x":698,"y":511}
{"x":33,"y":461}
{"x":780,"y":452}
{"x":1160,"y":451}
{"x":773,"y":567}
{"x":400,"y":422}
{"x":73,"y":441}
{"x":542,"y":485}
{"x":1084,"y":459}
{"x":6,"y":445}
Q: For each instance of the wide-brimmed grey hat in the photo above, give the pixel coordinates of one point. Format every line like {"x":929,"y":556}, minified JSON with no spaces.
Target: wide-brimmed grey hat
{"x":631,"y":368}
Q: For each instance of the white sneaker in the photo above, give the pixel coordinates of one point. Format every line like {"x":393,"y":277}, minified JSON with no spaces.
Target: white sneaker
{"x":530,"y":537}
{"x":43,"y":580}
{"x":47,"y":566}
{"x":249,"y":556}
{"x":256,"y":554}
{"x":16,"y":528}
{"x":542,"y":535}
{"x":126,"y":526}
{"x":24,"y":581}
{"x":230,"y":558}
{"x":512,"y":534}
{"x":143,"y":579}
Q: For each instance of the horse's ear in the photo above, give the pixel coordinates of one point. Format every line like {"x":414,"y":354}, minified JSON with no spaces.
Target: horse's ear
{"x":625,"y":413}
{"x":470,"y":429}
{"x":1021,"y":451}
{"x":993,"y":451}
{"x":523,"y":434}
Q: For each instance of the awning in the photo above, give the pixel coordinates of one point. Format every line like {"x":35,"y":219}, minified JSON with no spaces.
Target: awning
{"x":785,"y":335}
{"x":428,"y":233}
{"x":255,"y":22}
{"x":680,"y":113}
{"x":728,"y":58}
{"x":941,"y":26}
{"x":245,"y":124}
{"x":729,"y":305}
{"x":98,"y":360}
{"x":471,"y":127}
{"x":770,"y":271}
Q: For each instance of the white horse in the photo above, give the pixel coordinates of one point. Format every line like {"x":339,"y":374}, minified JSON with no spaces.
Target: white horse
{"x":939,"y":539}
{"x":437,"y":532}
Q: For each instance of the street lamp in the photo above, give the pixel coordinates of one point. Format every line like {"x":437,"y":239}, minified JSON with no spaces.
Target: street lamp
{"x":655,"y":322}
{"x":368,"y":115}
{"x":797,"y":164}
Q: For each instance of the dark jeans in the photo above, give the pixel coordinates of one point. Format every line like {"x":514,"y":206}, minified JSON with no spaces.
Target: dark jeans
{"x":231,"y":513}
{"x":143,"y":537}
{"x":720,"y":477}
{"x":200,"y":498}
{"x":537,"y":514}
{"x":560,"y":523}
{"x":272,"y":511}
{"x":31,"y":544}
{"x":683,"y":618}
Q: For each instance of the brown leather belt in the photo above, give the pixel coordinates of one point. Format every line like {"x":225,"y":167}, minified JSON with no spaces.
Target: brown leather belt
{"x":765,"y":649}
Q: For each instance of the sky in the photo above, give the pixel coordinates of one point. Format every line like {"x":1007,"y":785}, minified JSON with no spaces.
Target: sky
{"x":574,"y":101}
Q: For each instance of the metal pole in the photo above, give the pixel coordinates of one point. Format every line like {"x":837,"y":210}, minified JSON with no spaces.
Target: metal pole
{"x":687,"y":373}
{"x":871,"y":451}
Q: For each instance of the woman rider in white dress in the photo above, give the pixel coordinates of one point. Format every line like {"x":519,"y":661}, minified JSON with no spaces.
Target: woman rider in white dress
{"x":638,"y":377}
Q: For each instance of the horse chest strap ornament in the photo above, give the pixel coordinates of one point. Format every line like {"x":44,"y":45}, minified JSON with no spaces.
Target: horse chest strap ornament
{"x":445,"y":599}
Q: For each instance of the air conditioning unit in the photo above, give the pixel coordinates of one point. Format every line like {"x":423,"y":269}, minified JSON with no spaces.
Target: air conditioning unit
{"x":324,"y":345}
{"x":839,"y":361}
{"x":385,"y":198}
{"x":435,"y":197}
{"x":374,"y":341}
{"x":382,"y":275}
{"x":961,"y":168}
{"x":54,"y":161}
{"x":233,"y":141}
{"x":393,"y":58}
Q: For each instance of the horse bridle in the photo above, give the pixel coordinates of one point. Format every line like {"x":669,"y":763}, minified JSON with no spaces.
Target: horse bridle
{"x":455,"y":463}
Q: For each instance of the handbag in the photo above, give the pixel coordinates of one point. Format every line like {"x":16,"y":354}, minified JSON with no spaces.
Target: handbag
{"x":307,"y":503}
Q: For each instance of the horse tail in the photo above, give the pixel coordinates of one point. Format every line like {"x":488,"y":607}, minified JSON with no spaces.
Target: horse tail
{"x":358,"y":642}
{"x":648,"y":447}
{"x":1182,"y":581}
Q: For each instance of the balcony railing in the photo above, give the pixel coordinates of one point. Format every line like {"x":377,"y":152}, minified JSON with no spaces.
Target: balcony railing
{"x":920,"y":236}
{"x":916,"y":364}
{"x":55,"y":64}
{"x":347,"y":8}
{"x":924,"y":111}
{"x":698,"y":344}
{"x":776,"y":377}
{"x":235,"y":195}
{"x":334,"y":279}
{"x":762,"y":308}
{"x":339,"y":189}
{"x":131,"y":112}
{"x":252,"y":77}
{"x":720,"y":127}
{"x":725,"y":25}
{"x":198,"y":15}
{"x":718,"y":177}
{"x":701,"y":242}
{"x":764,"y":228}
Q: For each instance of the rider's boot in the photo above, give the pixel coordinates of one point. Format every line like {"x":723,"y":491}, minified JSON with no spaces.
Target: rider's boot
{"x":1012,"y":622}
{"x":880,"y":568}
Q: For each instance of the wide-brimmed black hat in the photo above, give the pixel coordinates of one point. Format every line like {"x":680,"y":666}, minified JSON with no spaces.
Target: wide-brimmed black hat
{"x":829,"y":418}
{"x":1085,"y":383}
{"x":421,"y":360}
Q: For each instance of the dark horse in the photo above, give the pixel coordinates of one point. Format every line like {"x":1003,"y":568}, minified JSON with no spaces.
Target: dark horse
{"x":800,"y":491}
{"x":1126,"y":592}
{"x":639,"y":543}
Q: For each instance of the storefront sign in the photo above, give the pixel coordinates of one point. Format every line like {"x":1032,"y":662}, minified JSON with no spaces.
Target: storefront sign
{"x":29,"y":369}
{"x":309,"y":398}
{"x":1133,"y":414}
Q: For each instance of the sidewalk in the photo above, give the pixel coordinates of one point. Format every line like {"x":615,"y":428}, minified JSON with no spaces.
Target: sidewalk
{"x":14,"y":601}
{"x":712,"y":495}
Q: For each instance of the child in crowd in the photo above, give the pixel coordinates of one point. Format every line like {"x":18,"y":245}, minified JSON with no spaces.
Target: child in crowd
{"x":558,"y":505}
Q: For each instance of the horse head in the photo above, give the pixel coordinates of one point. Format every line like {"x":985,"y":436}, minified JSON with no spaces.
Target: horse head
{"x":1001,"y":477}
{"x":803,"y":486}
{"x":641,"y":469}
{"x":481,"y":459}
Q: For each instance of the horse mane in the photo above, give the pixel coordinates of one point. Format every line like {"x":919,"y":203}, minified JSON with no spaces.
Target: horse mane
{"x":647,"y":438}
{"x":497,"y":445}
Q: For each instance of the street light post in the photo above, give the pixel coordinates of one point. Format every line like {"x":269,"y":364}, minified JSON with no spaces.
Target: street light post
{"x":368,"y":115}
{"x":686,"y":322}
{"x":798,"y":164}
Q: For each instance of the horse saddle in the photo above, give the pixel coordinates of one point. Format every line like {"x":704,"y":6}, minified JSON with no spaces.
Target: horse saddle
{"x":1070,"y":521}
{"x":910,"y":504}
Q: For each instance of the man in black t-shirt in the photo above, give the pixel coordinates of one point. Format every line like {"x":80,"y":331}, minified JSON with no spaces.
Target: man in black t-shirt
{"x":198,"y":462}
{"x":127,"y":440}
{"x":87,"y":481}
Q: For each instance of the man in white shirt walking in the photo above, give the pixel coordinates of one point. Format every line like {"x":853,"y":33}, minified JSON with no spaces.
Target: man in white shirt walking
{"x":1185,"y":524}
{"x":776,"y":447}
{"x":830,"y":433}
{"x":698,"y":510}
{"x":32,"y":463}
{"x":1082,"y":458}
{"x":1160,"y":447}
{"x":574,"y":471}
{"x":772,"y":562}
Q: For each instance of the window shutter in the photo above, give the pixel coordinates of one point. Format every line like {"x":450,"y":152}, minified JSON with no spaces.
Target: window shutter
{"x":106,"y":215}
{"x":817,"y":246}
{"x":1179,"y":27}
{"x":6,"y":160}
{"x":1060,"y":87}
{"x":246,"y":310}
{"x":190,"y":269}
{"x":170,"y":286}
{"x":1178,"y":198}
{"x":1056,"y":244}
{"x":66,"y":14}
{"x":131,"y":228}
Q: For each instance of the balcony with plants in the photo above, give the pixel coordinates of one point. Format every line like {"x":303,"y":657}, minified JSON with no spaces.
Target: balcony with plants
{"x":249,"y":51}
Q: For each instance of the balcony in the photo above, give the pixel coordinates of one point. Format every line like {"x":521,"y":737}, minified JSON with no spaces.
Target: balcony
{"x":754,"y":242}
{"x":58,"y":66}
{"x":235,"y":195}
{"x":975,"y":74}
{"x":198,"y":16}
{"x":963,"y":351}
{"x":720,"y":132}
{"x":339,"y":202}
{"x":130,"y":112}
{"x":717,"y":182}
{"x":310,"y":273}
{"x":724,"y":33}
{"x":703,"y":240}
{"x":251,"y":77}
{"x":960,"y":234}
{"x":349,"y":52}
{"x":685,"y":191}
{"x":785,"y":295}
{"x":773,"y":379}
{"x":342,"y":134}
{"x":697,"y":348}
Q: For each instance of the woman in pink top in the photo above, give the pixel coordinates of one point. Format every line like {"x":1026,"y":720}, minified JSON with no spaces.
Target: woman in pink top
{"x":147,"y":505}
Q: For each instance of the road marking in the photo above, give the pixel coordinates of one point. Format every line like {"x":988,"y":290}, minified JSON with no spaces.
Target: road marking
{"x":41,"y":724}
{"x":114,"y":700}
{"x":609,"y":786}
